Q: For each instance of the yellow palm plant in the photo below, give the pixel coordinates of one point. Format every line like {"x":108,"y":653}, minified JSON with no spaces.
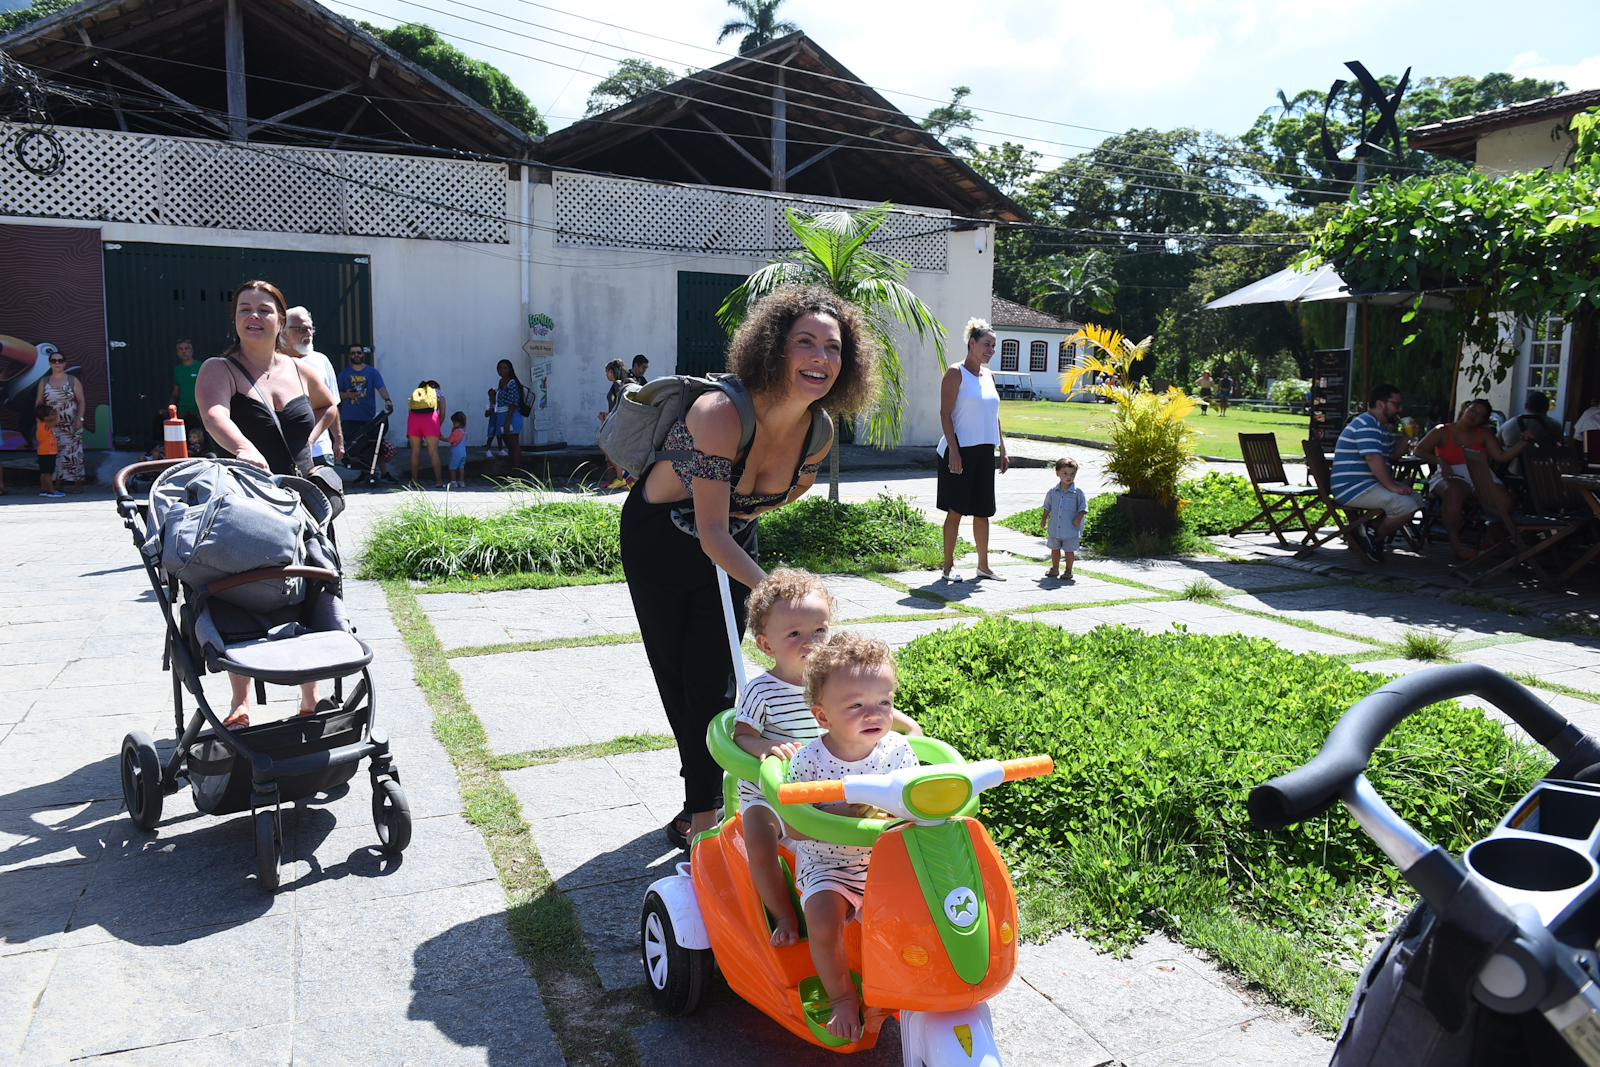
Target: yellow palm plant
{"x":1151,"y":444}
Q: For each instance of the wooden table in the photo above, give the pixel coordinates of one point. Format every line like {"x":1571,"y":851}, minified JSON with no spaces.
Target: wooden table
{"x":1588,"y":486}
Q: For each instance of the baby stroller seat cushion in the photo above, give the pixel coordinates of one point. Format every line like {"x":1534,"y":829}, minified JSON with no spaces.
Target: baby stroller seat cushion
{"x":299,"y":658}
{"x":290,"y":645}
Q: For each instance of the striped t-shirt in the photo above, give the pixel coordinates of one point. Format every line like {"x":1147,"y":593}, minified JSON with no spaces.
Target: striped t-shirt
{"x":778,"y":712}
{"x":1363,"y":436}
{"x":820,"y":861}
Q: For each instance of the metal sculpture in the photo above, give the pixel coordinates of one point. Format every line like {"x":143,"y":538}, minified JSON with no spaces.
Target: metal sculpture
{"x":1373,"y":96}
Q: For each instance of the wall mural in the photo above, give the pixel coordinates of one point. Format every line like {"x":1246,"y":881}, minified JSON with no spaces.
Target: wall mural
{"x":52,"y":278}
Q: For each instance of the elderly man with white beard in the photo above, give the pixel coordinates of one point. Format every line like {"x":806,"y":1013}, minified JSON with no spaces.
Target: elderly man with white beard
{"x":329,"y":448}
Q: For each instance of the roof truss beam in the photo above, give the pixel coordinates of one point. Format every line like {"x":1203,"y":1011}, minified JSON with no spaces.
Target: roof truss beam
{"x":298,"y":108}
{"x":737,"y":147}
{"x":169,"y":95}
{"x":673,"y":152}
{"x":120,"y":41}
{"x":818,"y":158}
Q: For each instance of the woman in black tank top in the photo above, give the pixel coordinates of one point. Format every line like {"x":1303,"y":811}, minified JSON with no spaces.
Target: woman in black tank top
{"x":259,"y":408}
{"x":255,"y":402}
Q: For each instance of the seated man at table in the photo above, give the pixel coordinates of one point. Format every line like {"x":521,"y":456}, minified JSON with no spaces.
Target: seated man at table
{"x":1361,"y":477}
{"x":1533,"y":425}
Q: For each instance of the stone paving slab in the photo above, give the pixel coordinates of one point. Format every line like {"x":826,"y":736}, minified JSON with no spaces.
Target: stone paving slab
{"x":1389,"y":616}
{"x":1025,"y":586}
{"x":465,"y":619}
{"x":860,"y":598}
{"x":898,"y":634}
{"x":1570,"y":661}
{"x":118,"y":946}
{"x":1172,"y":575}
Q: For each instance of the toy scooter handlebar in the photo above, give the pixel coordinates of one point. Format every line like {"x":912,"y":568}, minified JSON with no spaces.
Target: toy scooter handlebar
{"x":982,"y":776}
{"x":1028,"y":767}
{"x":1311,"y":788}
{"x":812,"y":792}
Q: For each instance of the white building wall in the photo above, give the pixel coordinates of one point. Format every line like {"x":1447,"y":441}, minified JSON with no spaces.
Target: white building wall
{"x":440,"y":309}
{"x":1534,"y":146}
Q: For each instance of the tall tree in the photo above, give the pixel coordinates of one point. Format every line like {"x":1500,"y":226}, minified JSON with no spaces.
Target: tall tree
{"x":1077,"y":286}
{"x":954,"y":116}
{"x":486,"y":84}
{"x":631,"y":79}
{"x":1287,"y":139}
{"x":17,"y":18}
{"x":833,"y":253}
{"x":760,"y":24}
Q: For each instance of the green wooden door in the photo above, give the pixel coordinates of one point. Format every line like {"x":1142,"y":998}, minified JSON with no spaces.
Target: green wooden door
{"x":158,"y":293}
{"x":702,"y":343}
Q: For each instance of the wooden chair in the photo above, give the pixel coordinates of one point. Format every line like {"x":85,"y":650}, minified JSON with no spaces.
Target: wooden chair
{"x":1283,"y":506}
{"x":1527,"y":536}
{"x":1342,"y":517}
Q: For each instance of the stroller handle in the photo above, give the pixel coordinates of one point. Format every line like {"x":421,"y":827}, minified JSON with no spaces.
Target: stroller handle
{"x":222,"y":585}
{"x":119,"y":481}
{"x":1311,"y":788}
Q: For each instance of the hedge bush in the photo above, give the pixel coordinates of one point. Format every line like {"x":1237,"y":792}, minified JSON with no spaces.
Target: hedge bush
{"x":422,"y":540}
{"x":1212,"y":504}
{"x":886,"y":533}
{"x":1158,"y":739}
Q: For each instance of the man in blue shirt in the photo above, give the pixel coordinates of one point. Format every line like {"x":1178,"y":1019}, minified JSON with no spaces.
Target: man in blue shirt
{"x":360,"y":386}
{"x":1361,"y":477}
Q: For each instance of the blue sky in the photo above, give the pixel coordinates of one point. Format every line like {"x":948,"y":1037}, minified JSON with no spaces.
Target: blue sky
{"x":1106,"y":66}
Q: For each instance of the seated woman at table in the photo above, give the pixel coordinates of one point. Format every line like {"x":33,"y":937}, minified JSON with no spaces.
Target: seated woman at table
{"x":1445,"y":446}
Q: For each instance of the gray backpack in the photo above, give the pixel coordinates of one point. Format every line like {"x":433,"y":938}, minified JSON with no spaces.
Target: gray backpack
{"x":634,"y":432}
{"x":220,"y":517}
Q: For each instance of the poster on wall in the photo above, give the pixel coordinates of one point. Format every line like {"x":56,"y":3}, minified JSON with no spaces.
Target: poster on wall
{"x":544,"y":418}
{"x":52,"y":278}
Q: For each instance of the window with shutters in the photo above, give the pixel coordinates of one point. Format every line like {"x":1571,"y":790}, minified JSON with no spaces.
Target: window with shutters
{"x":1009,"y":350}
{"x":1039,"y":356}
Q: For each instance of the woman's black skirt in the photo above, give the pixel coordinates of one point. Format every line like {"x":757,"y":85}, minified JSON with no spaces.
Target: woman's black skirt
{"x":972,"y":491}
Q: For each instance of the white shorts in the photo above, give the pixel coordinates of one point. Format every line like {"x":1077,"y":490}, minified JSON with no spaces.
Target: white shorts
{"x":1395,"y":505}
{"x":1436,"y":479}
{"x":1063,"y":544}
{"x":849,"y":893}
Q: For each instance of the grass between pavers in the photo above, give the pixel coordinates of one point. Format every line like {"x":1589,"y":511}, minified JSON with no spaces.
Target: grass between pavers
{"x":614,"y":747}
{"x":1533,"y":681}
{"x":520,"y":580}
{"x":590,"y":1025}
{"x":585,"y":641}
{"x":1468,"y":599}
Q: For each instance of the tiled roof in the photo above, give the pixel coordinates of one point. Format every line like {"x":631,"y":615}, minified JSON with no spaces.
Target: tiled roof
{"x":1459,"y":137}
{"x":1003,"y":312}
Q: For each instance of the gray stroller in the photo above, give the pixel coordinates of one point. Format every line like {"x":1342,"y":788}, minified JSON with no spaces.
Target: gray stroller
{"x":248,"y":578}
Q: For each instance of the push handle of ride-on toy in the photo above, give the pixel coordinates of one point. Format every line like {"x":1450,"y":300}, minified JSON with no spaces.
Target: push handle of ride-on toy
{"x":1310,"y":789}
{"x":922,"y":794}
{"x":233,"y":581}
{"x":834,"y":789}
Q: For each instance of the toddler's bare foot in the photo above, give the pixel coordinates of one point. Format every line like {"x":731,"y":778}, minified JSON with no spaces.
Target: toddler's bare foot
{"x":846,"y":1021}
{"x":786,"y":931}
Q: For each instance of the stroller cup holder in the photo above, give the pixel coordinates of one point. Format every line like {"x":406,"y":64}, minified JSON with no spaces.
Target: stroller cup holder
{"x":1543,"y":853}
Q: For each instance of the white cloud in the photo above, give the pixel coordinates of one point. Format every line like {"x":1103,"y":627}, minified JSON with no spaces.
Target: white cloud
{"x":1584,"y":74}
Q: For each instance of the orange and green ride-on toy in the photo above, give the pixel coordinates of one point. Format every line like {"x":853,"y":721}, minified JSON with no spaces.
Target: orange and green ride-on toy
{"x":938,"y":923}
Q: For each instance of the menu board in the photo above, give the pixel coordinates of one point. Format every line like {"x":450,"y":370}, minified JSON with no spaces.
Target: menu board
{"x":1330,"y":395}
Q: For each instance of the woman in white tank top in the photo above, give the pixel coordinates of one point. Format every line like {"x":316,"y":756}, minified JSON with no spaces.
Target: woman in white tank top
{"x":969,"y":409}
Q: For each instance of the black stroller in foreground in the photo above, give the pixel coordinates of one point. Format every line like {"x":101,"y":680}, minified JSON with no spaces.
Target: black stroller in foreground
{"x":1498,"y":964}
{"x":249,"y":583}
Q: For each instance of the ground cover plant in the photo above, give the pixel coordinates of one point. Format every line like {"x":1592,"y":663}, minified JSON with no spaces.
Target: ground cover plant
{"x":426,"y":540}
{"x":1212,"y":504}
{"x":886,"y":533}
{"x":1158,"y":739}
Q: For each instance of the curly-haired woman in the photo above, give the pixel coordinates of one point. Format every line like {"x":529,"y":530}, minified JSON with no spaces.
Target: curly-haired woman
{"x":796,"y":350}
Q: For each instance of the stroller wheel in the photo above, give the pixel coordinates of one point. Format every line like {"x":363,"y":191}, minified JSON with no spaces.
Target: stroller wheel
{"x":269,"y":850}
{"x":391,"y":814}
{"x":141,"y":779}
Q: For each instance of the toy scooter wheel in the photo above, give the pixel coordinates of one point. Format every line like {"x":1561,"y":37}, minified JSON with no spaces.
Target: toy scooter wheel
{"x":269,"y":850}
{"x":141,"y":779}
{"x":677,"y":974}
{"x":391,"y":814}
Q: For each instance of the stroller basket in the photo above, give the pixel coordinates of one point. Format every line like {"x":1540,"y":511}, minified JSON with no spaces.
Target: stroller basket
{"x":219,"y":791}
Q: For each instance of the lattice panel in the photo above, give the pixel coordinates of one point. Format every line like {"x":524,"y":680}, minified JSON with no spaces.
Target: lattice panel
{"x":109,"y":178}
{"x":182,"y":182}
{"x":606,"y":213}
{"x":441,"y":199}
{"x":610,"y":213}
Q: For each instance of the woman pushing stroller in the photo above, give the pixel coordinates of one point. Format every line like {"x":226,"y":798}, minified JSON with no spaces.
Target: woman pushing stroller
{"x":260,"y":407}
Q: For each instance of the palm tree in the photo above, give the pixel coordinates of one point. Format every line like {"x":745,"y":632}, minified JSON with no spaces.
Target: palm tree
{"x":759,"y":25}
{"x":833,"y":253}
{"x":1080,"y":286}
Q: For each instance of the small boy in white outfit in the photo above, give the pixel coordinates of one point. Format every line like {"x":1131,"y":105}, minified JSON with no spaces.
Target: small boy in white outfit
{"x":1064,"y":509}
{"x":788,"y":616}
{"x":850,"y":683}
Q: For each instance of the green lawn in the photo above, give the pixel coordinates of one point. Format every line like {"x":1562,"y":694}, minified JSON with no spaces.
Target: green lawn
{"x":1218,"y":434}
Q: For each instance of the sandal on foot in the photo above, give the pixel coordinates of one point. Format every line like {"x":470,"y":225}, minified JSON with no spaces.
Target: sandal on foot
{"x":679,"y":839}
{"x":237,"y":721}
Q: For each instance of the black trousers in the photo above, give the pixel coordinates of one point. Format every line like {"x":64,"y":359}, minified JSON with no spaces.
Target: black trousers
{"x":673,"y":584}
